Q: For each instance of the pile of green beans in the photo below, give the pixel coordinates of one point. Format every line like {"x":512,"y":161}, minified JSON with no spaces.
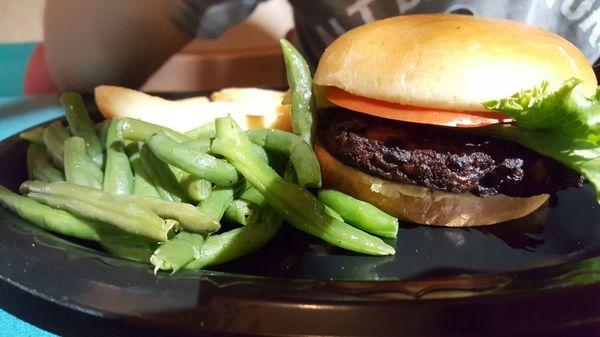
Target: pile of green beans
{"x":295,"y":204}
{"x":157,"y":196}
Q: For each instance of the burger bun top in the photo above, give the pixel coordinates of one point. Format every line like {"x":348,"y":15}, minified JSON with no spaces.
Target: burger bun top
{"x":453,"y":62}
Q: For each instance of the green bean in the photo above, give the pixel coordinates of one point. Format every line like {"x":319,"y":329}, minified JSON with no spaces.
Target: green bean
{"x":202,"y":145}
{"x":217,"y":202}
{"x":177,"y":252}
{"x":102,"y":131}
{"x":206,"y":131}
{"x":54,"y":220}
{"x":260,"y":152}
{"x":301,"y":154}
{"x":304,"y":122}
{"x":242,"y":241}
{"x":118,"y":176}
{"x":40,"y":166}
{"x":161,"y":175}
{"x":54,"y":139}
{"x":143,"y":186}
{"x":179,"y":174}
{"x":239,"y":211}
{"x":197,"y":189}
{"x":198,"y":164}
{"x":201,"y":140}
{"x":48,"y":218}
{"x":34,"y":136}
{"x":79,"y":167}
{"x":96,"y":205}
{"x":360,"y":214}
{"x":235,"y":243}
{"x":188,"y":216}
{"x":130,"y":248}
{"x":298,"y":206}
{"x":333,"y":213}
{"x":137,"y":130}
{"x":81,"y":125}
{"x":142,"y":183}
{"x":141,"y":223}
{"x":251,"y":194}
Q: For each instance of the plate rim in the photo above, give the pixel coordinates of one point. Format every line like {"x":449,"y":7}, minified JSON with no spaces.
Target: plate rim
{"x":544,"y":282}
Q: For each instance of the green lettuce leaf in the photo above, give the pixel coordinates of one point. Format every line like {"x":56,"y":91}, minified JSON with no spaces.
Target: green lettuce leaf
{"x":566,"y":111}
{"x":563,"y":125}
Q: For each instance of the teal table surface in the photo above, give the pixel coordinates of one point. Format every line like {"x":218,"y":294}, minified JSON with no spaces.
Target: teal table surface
{"x":16,"y":114}
{"x":13,"y":62}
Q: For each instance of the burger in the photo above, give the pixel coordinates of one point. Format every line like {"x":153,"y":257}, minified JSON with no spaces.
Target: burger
{"x":453,"y":120}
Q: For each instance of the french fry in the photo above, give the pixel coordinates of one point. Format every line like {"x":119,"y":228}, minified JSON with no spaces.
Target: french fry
{"x":248,"y":95}
{"x":186,"y":114}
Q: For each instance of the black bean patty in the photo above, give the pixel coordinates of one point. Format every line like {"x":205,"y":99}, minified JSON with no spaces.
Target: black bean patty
{"x":446,"y":159}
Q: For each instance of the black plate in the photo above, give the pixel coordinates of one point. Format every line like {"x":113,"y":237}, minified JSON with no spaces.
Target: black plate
{"x":537,"y":274}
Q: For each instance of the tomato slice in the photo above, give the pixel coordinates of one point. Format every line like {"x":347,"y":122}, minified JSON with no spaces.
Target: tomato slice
{"x":413,"y":114}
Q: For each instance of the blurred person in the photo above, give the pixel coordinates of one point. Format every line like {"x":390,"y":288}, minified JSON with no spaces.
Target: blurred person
{"x":90,"y":42}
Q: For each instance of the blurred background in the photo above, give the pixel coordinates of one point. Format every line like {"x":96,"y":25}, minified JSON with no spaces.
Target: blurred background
{"x":89,"y":42}
{"x":247,"y":54}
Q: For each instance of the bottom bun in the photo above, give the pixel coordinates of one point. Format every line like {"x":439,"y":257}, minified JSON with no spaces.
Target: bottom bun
{"x":423,"y":205}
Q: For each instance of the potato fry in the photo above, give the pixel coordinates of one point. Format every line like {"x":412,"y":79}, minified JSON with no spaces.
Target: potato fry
{"x":248,"y":95}
{"x":186,"y":114}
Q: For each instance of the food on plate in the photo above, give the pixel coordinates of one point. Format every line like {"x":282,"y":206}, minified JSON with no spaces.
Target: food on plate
{"x":158,"y":195}
{"x":299,"y":207}
{"x":456,"y":120}
{"x":248,"y":95}
{"x":422,"y":118}
{"x":251,"y":108}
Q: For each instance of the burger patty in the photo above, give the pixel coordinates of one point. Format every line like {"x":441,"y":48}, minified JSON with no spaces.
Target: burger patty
{"x":440,"y":158}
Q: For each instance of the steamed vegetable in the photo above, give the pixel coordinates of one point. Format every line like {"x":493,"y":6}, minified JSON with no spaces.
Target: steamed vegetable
{"x":188,"y":216}
{"x":102,"y":131}
{"x":143,"y":185}
{"x":54,"y":140}
{"x":161,"y":176}
{"x":300,"y":153}
{"x":177,"y":252}
{"x":197,"y":189}
{"x":79,"y":167}
{"x":304,"y":120}
{"x":54,"y":220}
{"x":118,"y":176}
{"x":81,"y":125}
{"x":235,"y":243}
{"x":239,"y":211}
{"x":128,"y":180}
{"x":96,"y":205}
{"x":298,"y":206}
{"x":35,"y":136}
{"x":192,"y":160}
{"x":238,"y":242}
{"x":137,"y":130}
{"x":562,"y":124}
{"x":360,"y":214}
{"x":217,"y":202}
{"x":40,"y":166}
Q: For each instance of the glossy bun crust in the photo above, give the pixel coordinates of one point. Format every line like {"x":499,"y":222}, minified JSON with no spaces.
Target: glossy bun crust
{"x":448,"y":61}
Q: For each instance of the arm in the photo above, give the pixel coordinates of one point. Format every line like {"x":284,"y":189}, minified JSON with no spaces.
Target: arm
{"x":90,"y":42}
